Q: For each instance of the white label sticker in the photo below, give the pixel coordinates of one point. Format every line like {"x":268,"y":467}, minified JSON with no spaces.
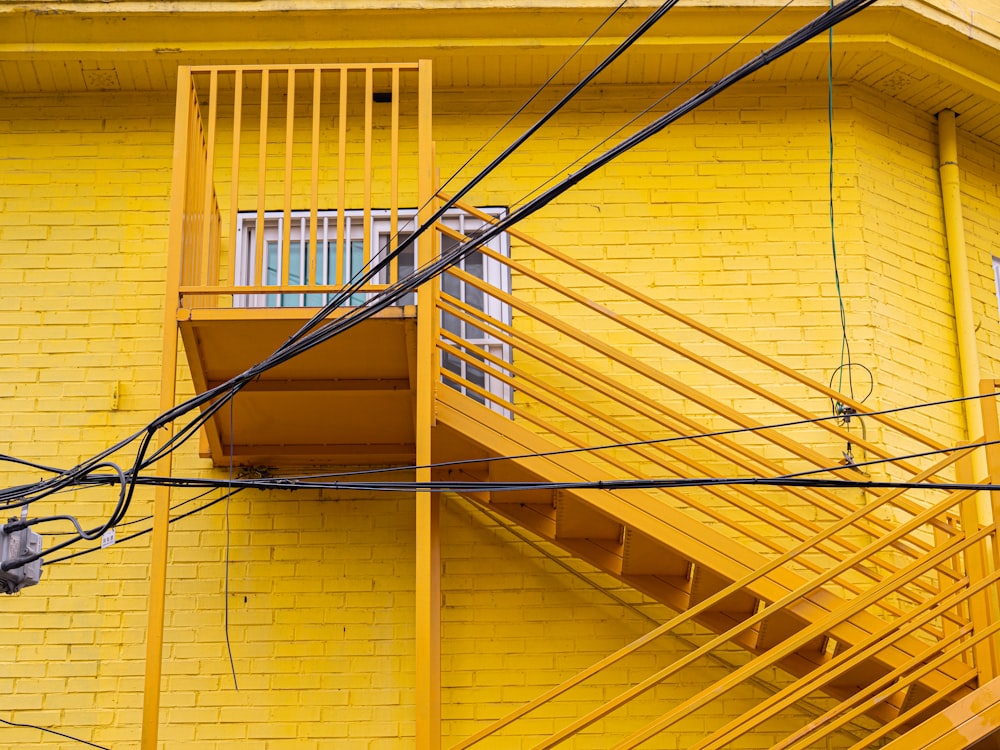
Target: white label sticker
{"x":108,"y":538}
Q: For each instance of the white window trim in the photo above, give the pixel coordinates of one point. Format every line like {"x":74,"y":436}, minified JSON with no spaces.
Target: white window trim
{"x":495,"y":273}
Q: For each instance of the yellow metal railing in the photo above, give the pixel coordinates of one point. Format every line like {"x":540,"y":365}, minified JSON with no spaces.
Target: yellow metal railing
{"x":918,"y":560}
{"x":201,"y":227}
{"x":291,"y":171}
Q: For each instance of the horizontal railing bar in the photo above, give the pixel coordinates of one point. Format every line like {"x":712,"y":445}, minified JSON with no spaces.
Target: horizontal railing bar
{"x":297,"y":289}
{"x":827,"y":391}
{"x":333,"y":67}
{"x":680,"y":388}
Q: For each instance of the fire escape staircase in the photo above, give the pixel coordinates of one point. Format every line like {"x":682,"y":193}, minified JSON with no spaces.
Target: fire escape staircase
{"x":882,"y":599}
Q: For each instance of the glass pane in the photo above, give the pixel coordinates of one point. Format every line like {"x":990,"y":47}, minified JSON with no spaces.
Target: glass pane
{"x":474,"y":265}
{"x":357,"y":262}
{"x":451,"y":323}
{"x":271,"y":261}
{"x":451,"y":363}
{"x":294,"y":265}
{"x":451,"y":285}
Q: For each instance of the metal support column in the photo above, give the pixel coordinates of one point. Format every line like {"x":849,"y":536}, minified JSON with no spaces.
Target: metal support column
{"x":428,"y":549}
{"x":168,"y":385}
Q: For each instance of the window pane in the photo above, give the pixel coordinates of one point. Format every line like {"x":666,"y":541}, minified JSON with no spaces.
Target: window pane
{"x":357,"y":262}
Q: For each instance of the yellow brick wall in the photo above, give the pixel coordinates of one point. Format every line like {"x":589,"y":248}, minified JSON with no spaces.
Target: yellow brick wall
{"x":321,"y":589}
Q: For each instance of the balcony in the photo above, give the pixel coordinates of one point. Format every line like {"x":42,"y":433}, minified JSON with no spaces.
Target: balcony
{"x":270,"y":164}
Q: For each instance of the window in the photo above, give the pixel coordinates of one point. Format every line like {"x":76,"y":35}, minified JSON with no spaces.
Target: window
{"x":337,"y":263}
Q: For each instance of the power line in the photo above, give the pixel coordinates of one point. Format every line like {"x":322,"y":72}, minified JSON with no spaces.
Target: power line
{"x":302,"y":481}
{"x":302,"y":340}
{"x":656,"y":103}
{"x":535,"y":95}
{"x":636,"y":443}
{"x":307,"y":338}
{"x":465,"y":488}
{"x":53,"y":731}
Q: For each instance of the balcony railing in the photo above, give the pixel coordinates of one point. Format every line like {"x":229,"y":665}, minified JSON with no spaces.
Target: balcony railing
{"x":292,"y":179}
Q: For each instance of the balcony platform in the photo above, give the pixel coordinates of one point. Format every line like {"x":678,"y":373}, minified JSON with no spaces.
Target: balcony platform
{"x":349,"y":401}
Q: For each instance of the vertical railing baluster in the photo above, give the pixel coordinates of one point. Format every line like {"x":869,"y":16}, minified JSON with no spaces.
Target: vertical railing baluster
{"x":234,"y":189}
{"x":343,"y":243}
{"x":314,"y":174}
{"x":192,"y":236}
{"x":208,"y":203}
{"x":261,"y":178}
{"x":394,"y":177}
{"x":285,"y":274}
{"x":367,"y":202}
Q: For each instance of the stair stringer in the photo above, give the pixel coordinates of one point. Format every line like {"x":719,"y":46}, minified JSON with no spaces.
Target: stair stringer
{"x":466,"y":428}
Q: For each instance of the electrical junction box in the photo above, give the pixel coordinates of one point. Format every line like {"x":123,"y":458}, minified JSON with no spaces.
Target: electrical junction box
{"x":14,"y":546}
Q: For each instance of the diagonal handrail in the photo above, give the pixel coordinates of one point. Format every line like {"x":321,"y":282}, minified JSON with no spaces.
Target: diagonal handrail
{"x":712,"y":333}
{"x":898,"y":566}
{"x":712,"y":601}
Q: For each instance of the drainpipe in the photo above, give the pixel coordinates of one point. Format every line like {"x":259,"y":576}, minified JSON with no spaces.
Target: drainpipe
{"x":968,"y":354}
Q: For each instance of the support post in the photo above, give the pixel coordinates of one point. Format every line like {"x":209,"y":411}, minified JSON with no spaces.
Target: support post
{"x":168,"y":385}
{"x":991,"y":433}
{"x":428,"y":542}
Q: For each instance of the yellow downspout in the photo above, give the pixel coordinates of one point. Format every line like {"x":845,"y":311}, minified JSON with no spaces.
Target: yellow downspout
{"x":978,"y":512}
{"x":968,"y":354}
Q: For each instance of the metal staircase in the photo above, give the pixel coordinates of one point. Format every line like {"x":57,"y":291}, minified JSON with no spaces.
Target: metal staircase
{"x":878,"y":598}
{"x":882,"y":599}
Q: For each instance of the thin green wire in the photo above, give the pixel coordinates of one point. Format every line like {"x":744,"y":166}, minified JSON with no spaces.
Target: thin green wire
{"x":845,"y":346}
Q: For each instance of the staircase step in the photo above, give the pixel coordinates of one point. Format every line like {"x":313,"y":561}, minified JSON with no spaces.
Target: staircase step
{"x":578,"y":520}
{"x":644,"y":556}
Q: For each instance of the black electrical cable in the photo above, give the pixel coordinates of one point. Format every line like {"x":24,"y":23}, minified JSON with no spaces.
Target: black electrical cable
{"x":631,"y":121}
{"x":535,"y":95}
{"x":307,"y":338}
{"x":288,"y":482}
{"x":611,"y":485}
{"x":53,"y":731}
{"x":619,"y":50}
{"x":797,"y":479}
{"x":143,"y":532}
{"x":296,"y":483}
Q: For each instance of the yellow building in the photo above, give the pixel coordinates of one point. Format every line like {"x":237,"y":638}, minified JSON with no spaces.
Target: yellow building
{"x":797,"y":276}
